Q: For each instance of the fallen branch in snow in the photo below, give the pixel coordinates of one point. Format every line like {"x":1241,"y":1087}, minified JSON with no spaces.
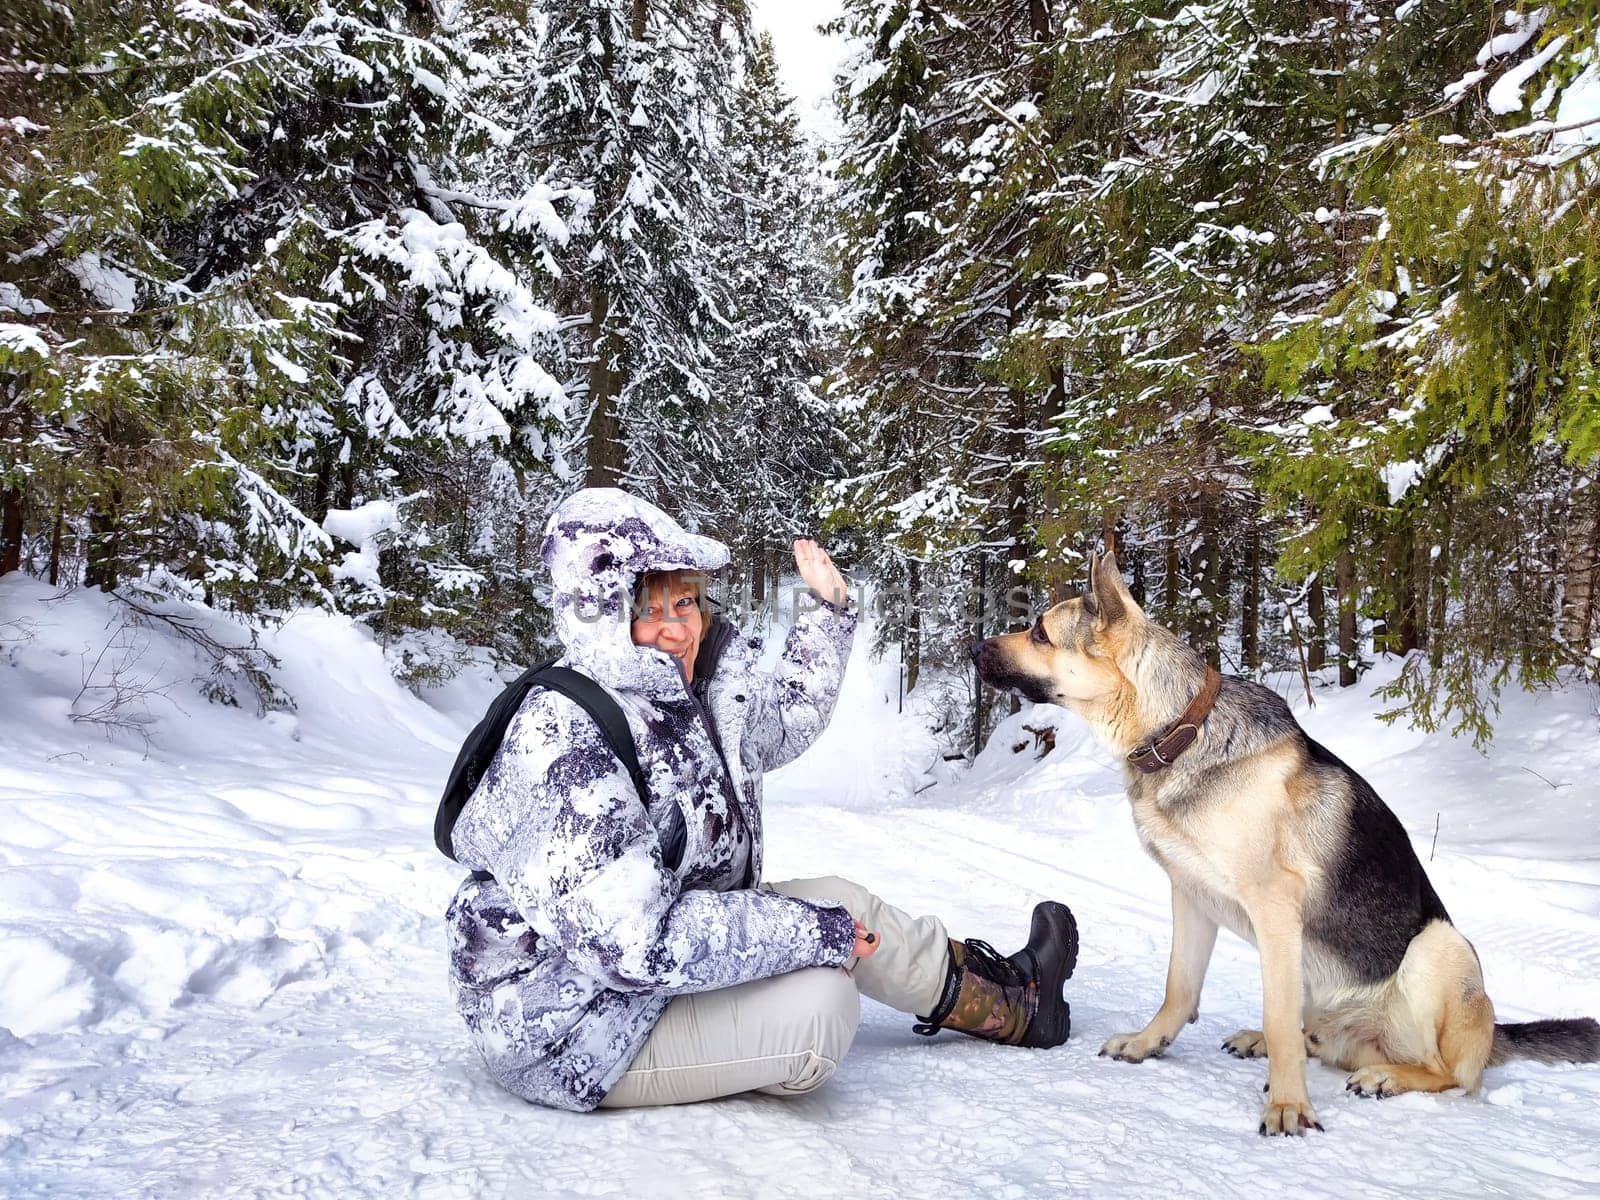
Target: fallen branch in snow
{"x":122,"y":700}
{"x":249,"y":662}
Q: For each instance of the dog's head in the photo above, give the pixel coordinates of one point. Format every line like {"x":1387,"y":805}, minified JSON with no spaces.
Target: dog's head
{"x":1076,"y":653}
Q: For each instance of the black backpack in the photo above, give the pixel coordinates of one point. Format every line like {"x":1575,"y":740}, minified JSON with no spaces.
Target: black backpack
{"x":484,"y":741}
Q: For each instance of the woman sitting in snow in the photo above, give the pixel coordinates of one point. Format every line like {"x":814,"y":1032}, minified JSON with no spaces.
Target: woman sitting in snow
{"x":588,"y":972}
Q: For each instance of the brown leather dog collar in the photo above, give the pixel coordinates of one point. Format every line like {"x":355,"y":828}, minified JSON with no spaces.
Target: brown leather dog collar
{"x":1161,"y":752}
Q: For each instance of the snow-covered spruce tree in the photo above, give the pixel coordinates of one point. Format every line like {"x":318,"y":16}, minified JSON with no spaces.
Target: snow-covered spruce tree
{"x":774,"y":438}
{"x":1171,"y":228}
{"x":239,"y":295}
{"x":910,"y":494}
{"x":110,"y":350}
{"x":1466,"y":315}
{"x":622,"y":103}
{"x":986,"y":278}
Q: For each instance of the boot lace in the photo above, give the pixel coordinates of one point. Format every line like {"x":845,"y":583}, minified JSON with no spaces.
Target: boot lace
{"x":983,"y":959}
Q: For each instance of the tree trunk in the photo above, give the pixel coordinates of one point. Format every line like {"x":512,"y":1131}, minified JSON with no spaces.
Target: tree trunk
{"x":604,"y":452}
{"x":1346,"y":587}
{"x":1403,"y":628}
{"x":604,"y":432}
{"x":980,"y":707}
{"x":1169,"y":585}
{"x":10,"y":529}
{"x":1250,"y":614}
{"x":1317,"y":611}
{"x":1132,"y":559}
{"x":1581,"y":565}
{"x":54,"y":575}
{"x":1053,"y":528}
{"x":758,"y":573}
{"x":1415,"y":627}
{"x":100,"y":551}
{"x":1039,"y":26}
{"x":1018,"y":523}
{"x":1439,"y":584}
{"x":1018,"y":526}
{"x":520,"y":523}
{"x":100,"y":554}
{"x":1207,"y":623}
{"x":322,"y":488}
{"x":913,"y":630}
{"x":12,"y":500}
{"x":1223,"y":602}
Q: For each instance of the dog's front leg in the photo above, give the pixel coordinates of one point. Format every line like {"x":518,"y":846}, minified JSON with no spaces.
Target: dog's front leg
{"x":1277,"y":922}
{"x":1194,"y":934}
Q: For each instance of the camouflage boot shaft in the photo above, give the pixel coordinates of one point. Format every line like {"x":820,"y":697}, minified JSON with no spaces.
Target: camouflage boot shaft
{"x":985,"y":996}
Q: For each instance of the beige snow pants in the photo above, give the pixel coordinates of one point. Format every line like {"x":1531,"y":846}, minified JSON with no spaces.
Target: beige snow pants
{"x":786,"y":1035}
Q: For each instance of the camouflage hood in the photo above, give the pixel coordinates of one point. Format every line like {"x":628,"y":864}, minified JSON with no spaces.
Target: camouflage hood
{"x":597,"y":544}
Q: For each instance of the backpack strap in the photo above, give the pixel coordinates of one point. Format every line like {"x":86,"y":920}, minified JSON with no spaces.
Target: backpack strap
{"x":608,"y":715}
{"x":603,"y":710}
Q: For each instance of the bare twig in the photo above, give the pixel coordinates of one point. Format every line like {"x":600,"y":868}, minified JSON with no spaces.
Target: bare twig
{"x":17,"y":632}
{"x":120,"y":697}
{"x":1555,"y":787}
{"x":1300,"y":652}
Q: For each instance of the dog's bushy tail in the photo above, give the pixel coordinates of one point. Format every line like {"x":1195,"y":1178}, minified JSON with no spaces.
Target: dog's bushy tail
{"x":1575,"y":1040}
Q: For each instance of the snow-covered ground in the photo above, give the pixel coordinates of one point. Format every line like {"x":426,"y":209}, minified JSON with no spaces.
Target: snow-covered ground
{"x":222,"y":967}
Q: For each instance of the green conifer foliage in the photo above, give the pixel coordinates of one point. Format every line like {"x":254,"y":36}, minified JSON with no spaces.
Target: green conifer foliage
{"x":1452,"y":432}
{"x":246,"y":280}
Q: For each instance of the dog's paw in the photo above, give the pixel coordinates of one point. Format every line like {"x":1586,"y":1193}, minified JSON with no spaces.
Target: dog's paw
{"x":1247,"y":1043}
{"x":1373,"y":1082}
{"x":1289,"y":1118}
{"x":1133,"y":1047}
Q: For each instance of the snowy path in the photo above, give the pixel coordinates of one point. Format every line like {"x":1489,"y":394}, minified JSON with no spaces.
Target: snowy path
{"x":227,"y":979}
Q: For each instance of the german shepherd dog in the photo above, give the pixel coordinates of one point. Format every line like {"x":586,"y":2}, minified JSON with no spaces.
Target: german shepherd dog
{"x":1266,"y":833}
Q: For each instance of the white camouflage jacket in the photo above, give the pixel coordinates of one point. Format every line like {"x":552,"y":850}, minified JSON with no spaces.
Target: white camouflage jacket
{"x":562,"y":963}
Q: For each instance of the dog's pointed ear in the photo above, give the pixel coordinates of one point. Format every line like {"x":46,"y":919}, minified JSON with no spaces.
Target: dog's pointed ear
{"x":1110,"y":600}
{"x":1090,"y":605}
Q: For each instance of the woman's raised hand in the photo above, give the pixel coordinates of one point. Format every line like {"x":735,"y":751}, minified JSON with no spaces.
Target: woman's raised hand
{"x":867,"y":943}
{"x":818,"y":571}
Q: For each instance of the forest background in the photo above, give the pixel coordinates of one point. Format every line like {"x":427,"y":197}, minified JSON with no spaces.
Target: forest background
{"x":1292,"y":304}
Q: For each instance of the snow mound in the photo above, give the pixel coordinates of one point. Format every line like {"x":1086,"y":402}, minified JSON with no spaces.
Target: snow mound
{"x":165,"y":843}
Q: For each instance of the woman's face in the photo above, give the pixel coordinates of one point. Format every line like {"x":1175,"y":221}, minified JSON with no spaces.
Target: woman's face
{"x":668,"y":616}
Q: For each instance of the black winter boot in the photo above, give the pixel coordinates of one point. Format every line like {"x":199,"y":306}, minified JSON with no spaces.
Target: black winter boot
{"x":1015,"y":1001}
